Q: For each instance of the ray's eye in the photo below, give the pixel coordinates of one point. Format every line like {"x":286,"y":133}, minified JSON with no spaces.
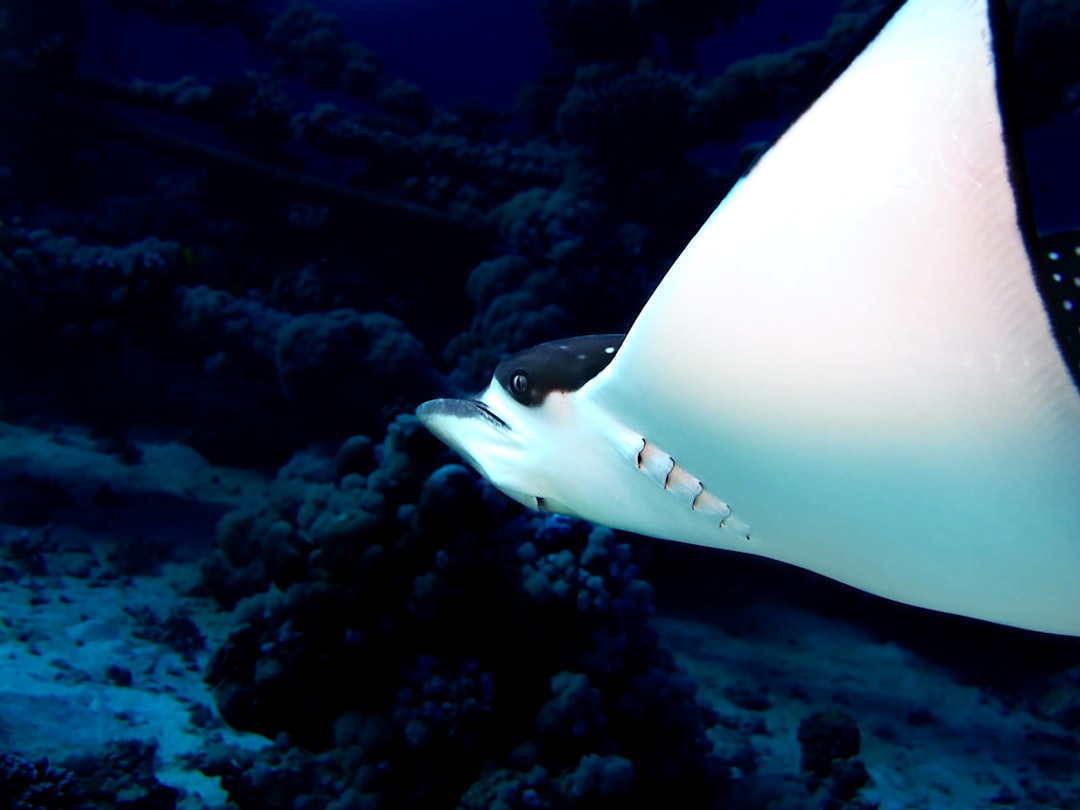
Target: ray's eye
{"x":519,"y":382}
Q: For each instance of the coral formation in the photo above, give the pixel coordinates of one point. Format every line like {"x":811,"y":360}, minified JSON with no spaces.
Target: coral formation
{"x":36,"y":785}
{"x":478,"y":636}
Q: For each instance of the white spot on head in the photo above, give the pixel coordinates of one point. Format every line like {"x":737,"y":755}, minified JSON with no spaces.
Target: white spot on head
{"x":581,"y":357}
{"x":1069,"y":306}
{"x":1054,"y":255}
{"x":609,"y":350}
{"x":1056,"y":276}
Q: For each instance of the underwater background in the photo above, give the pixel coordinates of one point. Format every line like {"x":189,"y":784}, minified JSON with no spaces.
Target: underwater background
{"x":241,"y":240}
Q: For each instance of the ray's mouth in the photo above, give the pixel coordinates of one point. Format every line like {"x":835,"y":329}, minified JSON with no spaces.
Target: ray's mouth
{"x":489,"y":414}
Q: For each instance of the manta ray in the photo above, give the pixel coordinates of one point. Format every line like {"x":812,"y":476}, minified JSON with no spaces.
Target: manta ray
{"x":856,"y":366}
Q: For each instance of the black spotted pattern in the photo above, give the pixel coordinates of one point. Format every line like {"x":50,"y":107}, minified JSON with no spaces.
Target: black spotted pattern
{"x":1060,"y":267}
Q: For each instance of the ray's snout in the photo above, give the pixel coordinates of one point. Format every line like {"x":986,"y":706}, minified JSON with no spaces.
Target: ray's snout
{"x":438,"y":412}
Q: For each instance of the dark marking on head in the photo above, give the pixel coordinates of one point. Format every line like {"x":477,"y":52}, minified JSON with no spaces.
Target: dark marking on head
{"x":561,"y":365}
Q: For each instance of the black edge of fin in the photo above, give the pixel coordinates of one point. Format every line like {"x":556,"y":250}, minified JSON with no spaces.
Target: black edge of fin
{"x":1002,"y":34}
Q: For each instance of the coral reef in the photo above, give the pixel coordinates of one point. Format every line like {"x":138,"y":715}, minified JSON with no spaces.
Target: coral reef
{"x":479,"y":634}
{"x":646,"y":113}
{"x":336,"y":368}
{"x":33,"y":785}
{"x":122,"y":775}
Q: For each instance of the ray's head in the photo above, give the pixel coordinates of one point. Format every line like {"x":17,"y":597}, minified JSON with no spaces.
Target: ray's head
{"x":516,"y":431}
